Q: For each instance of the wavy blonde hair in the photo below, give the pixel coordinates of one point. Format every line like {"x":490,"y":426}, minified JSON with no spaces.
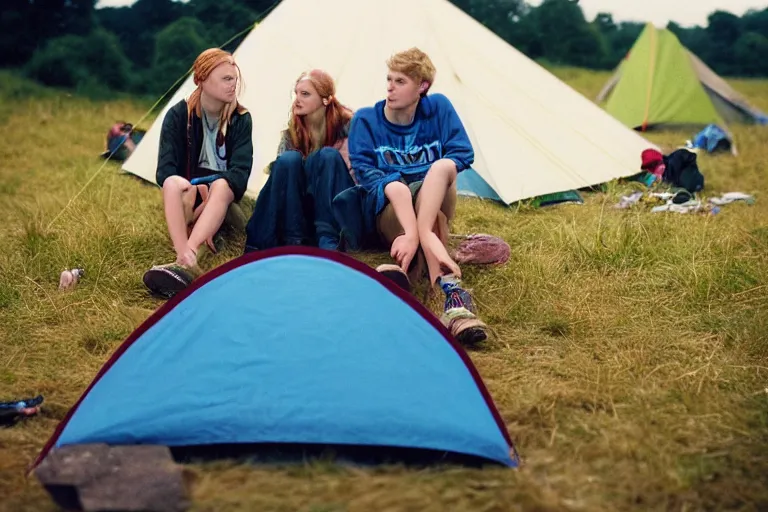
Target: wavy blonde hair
{"x":415,"y":64}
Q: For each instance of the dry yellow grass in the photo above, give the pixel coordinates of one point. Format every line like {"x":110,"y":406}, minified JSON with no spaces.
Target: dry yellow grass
{"x":630,"y":362}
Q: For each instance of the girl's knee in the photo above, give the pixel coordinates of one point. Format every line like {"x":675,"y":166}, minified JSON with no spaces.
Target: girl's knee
{"x":290,"y":161}
{"x":176,"y":184}
{"x":327,"y":153}
{"x":326,"y":159}
{"x":221,"y":189}
{"x":288,"y":168}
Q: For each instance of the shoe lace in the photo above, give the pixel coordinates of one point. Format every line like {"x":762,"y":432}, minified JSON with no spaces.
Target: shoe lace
{"x":456,"y":297}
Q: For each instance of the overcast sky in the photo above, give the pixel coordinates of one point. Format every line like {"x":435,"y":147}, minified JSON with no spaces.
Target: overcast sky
{"x":685,"y":12}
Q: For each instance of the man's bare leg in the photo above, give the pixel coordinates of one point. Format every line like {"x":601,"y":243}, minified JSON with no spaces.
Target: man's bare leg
{"x":396,"y":224}
{"x":435,"y":206}
{"x":459,"y":314}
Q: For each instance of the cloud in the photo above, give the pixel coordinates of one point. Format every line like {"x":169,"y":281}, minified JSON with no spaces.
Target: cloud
{"x":114,"y":3}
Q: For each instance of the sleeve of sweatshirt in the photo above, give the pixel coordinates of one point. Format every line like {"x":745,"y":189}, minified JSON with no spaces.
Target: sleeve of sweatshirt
{"x":362,"y":156}
{"x":456,"y":143}
{"x":241,"y":160}
{"x":170,"y":158}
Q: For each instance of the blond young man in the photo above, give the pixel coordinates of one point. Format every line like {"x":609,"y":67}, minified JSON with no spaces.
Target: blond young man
{"x":406,"y":152}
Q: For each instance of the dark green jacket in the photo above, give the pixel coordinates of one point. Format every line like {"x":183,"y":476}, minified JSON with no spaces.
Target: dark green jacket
{"x":180,"y":146}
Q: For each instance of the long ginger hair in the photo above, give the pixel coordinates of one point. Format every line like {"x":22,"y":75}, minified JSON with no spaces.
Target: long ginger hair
{"x":336,"y":115}
{"x":204,"y":64}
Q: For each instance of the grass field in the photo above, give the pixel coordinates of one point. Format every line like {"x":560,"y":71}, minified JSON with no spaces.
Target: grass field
{"x":630,"y":362}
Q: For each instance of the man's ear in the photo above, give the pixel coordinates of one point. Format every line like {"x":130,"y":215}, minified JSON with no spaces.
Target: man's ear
{"x":423,"y":87}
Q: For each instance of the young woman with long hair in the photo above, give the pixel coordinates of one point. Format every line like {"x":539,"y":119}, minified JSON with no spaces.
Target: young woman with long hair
{"x":312,"y":167}
{"x":206,"y":137}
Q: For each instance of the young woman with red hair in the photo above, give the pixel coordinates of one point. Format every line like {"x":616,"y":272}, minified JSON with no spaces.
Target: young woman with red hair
{"x":204,"y":163}
{"x":312,"y":167}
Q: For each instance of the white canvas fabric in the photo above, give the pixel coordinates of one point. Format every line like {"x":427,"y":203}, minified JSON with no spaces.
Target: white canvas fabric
{"x":532,"y":133}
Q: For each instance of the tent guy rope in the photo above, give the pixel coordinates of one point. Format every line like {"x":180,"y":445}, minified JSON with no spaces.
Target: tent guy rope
{"x":152,"y":108}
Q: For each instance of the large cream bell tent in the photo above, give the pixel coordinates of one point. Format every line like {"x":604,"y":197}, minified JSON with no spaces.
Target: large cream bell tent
{"x":532,"y":134}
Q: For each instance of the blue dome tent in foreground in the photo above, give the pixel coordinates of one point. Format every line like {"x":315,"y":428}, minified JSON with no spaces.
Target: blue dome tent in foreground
{"x":292,"y":347}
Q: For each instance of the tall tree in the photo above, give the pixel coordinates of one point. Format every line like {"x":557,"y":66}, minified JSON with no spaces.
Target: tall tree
{"x":506,"y":18}
{"x":723,"y":31}
{"x":566,"y":37}
{"x":756,"y":21}
{"x":497,"y":15}
{"x":158,"y":44}
{"x":176,"y":48}
{"x":605,"y":24}
{"x":747,"y":53}
{"x":223,"y":18}
{"x":26,"y":25}
{"x":137,"y":25}
{"x":95,"y":60}
{"x":260,"y":7}
{"x":619,"y":39}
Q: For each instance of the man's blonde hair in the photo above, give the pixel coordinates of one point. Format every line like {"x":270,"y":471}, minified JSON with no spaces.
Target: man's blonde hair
{"x":415,"y":64}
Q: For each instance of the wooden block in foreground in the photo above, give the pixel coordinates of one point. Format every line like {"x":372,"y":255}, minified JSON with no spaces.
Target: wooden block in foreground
{"x":102,"y":478}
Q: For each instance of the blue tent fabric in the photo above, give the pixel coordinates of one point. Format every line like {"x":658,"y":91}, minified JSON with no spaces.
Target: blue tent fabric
{"x":470,"y":183}
{"x":711,"y":138}
{"x":291,"y":345}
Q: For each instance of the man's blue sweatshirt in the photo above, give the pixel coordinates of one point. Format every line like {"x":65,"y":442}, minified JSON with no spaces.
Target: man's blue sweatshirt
{"x":382,"y":152}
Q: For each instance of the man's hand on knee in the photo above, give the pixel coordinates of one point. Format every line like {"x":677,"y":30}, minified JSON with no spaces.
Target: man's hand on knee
{"x":403,"y":247}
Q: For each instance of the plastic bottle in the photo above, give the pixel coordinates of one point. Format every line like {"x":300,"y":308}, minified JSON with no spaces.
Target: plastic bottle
{"x":70,"y":278}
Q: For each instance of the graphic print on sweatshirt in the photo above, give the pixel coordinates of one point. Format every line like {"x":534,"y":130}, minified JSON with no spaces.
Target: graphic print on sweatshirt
{"x":415,"y":155}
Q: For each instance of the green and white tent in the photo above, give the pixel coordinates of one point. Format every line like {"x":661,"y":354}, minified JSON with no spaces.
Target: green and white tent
{"x":660,"y":83}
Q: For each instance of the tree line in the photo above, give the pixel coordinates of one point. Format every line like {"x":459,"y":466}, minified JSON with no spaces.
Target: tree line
{"x":145,"y":48}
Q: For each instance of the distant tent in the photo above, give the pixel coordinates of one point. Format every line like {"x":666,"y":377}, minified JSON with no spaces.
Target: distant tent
{"x":292,"y":347}
{"x":532,"y":133}
{"x":661,"y":83}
